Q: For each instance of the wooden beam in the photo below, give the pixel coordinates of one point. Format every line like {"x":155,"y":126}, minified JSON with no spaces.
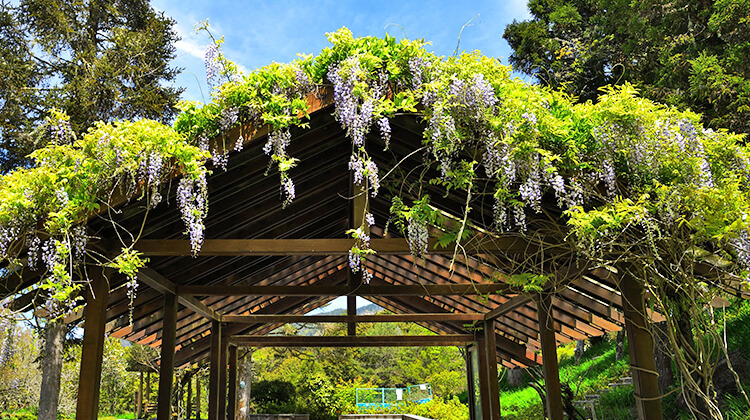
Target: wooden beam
{"x":300,"y":319}
{"x":493,"y":389}
{"x":259,"y":247}
{"x":213,"y":378}
{"x":549,"y":358}
{"x":196,"y":348}
{"x":641,"y":349}
{"x":153,"y":279}
{"x":363,"y":290}
{"x":166,"y":366}
{"x":354,"y":341}
{"x":92,"y":351}
{"x":507,"y":307}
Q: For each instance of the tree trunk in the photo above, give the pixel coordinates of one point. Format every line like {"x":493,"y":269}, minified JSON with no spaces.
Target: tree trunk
{"x":147,"y":395}
{"x":661,"y":354}
{"x":620,"y":344}
{"x":139,"y":399}
{"x":515,"y":377}
{"x":52,"y":361}
{"x":247,"y":377}
{"x":580,"y":346}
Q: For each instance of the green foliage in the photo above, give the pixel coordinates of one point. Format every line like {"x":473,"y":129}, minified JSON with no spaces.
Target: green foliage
{"x":684,"y":53}
{"x":70,"y":182}
{"x":438,"y":408}
{"x":18,"y":415}
{"x":325,"y":380}
{"x":596,"y":369}
{"x":737,"y":329}
{"x":92,"y":60}
{"x":618,"y":403}
{"x":273,"y":392}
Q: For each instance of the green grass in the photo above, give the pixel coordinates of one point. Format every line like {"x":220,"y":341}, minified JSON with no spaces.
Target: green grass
{"x":595,"y":371}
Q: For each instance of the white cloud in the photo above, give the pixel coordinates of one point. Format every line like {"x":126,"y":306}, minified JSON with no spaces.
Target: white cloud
{"x":191,"y":48}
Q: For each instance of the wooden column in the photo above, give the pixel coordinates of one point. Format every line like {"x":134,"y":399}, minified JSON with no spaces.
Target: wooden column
{"x":97,"y":294}
{"x":197,"y":398}
{"x":213,"y":375}
{"x":484,"y":381}
{"x":641,"y":349}
{"x":232,"y":392}
{"x":549,"y":357}
{"x":166,"y":366}
{"x":351,"y":307}
{"x":493,"y":388}
{"x":223,"y":377}
{"x":357,"y":209}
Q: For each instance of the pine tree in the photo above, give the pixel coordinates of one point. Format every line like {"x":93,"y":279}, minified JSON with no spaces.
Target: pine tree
{"x":92,"y":59}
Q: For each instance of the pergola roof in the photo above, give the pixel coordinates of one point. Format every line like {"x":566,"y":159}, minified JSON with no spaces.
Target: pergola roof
{"x":244,"y":204}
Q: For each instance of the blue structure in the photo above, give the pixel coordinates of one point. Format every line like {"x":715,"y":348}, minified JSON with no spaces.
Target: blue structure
{"x":385,"y":397}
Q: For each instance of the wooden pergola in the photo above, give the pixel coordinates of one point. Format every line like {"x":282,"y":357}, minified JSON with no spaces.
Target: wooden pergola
{"x":262,"y":266}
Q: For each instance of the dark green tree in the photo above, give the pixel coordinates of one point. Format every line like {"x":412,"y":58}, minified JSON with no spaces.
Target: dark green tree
{"x":92,"y":59}
{"x":690,"y":53}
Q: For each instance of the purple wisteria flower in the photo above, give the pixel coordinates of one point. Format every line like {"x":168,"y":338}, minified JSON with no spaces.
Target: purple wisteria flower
{"x":213,"y":66}
{"x":385,"y":130}
{"x":228,"y":118}
{"x":192,"y":200}
{"x":519,"y":218}
{"x":418,"y":236}
{"x":33,"y":254}
{"x":416,"y":66}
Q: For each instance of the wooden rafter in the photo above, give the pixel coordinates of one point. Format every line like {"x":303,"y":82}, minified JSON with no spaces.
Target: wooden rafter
{"x":259,"y":247}
{"x":361,"y":290}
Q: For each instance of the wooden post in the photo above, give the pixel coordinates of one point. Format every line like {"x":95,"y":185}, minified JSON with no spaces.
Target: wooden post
{"x":351,"y":308}
{"x":97,"y":294}
{"x":549,"y":358}
{"x":484,"y":381}
{"x":223,"y":377}
{"x":139,"y":398}
{"x":213,"y":378}
{"x":493,"y":388}
{"x":189,"y":402}
{"x":197,"y":398}
{"x":166,"y":366}
{"x":232,"y":394}
{"x":641,"y":349}
{"x":357,"y":209}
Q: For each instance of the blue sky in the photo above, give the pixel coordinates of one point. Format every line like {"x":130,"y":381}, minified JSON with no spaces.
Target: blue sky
{"x":257,"y":33}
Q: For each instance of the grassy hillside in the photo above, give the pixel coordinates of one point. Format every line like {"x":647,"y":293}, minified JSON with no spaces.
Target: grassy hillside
{"x":598,"y":368}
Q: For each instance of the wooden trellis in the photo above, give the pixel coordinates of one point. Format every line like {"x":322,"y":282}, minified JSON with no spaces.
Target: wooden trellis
{"x":262,"y":266}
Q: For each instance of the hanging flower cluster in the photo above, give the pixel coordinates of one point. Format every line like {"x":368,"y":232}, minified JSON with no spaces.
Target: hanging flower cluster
{"x":43,"y":209}
{"x":622,"y":163}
